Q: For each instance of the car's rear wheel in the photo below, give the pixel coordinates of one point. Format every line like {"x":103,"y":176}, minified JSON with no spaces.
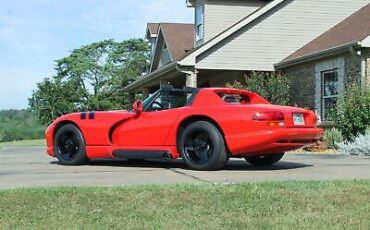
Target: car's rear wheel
{"x":69,"y":145}
{"x":265,"y":160}
{"x":202,"y":146}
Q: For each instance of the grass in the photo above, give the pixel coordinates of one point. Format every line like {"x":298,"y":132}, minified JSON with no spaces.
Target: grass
{"x":278,"y":205}
{"x":40,"y":142}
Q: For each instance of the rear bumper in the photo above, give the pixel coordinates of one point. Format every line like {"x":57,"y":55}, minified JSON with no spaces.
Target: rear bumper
{"x":272,"y":141}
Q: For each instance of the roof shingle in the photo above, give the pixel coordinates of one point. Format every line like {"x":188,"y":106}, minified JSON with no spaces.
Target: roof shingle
{"x":153,"y":28}
{"x":179,"y":38}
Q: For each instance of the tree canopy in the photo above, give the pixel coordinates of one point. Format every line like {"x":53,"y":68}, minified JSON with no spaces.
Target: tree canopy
{"x":91,"y":78}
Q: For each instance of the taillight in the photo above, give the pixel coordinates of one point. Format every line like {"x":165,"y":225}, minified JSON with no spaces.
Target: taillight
{"x":269,"y":116}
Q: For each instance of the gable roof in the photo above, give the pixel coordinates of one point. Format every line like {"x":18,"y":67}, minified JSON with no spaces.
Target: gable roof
{"x":152,"y":29}
{"x":190,"y":58}
{"x":353,"y":29}
{"x":179,"y":38}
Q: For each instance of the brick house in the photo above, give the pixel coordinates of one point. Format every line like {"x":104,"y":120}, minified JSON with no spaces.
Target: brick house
{"x":320,"y":70}
{"x":230,"y":38}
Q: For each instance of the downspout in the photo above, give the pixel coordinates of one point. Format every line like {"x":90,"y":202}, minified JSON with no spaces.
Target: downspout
{"x":363,"y":70}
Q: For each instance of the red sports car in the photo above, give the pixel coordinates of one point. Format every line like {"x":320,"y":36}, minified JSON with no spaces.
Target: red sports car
{"x":205,"y":127}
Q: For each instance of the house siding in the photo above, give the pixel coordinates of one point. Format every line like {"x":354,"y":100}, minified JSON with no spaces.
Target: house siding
{"x":221,"y":14}
{"x":278,"y":33}
{"x":165,"y":58}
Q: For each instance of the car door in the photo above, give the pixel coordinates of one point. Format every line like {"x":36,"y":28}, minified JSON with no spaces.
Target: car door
{"x":152,"y":126}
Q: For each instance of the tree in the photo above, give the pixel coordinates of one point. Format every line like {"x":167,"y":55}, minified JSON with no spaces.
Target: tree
{"x":91,"y":78}
{"x":273,"y":86}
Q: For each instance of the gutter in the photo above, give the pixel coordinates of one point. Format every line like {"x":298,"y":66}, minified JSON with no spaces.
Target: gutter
{"x":317,"y":55}
{"x":150,"y":77}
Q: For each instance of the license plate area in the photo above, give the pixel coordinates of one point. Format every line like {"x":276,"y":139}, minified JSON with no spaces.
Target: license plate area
{"x":298,"y":119}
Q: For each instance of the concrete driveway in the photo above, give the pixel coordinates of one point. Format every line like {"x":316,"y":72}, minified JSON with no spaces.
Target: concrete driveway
{"x":30,"y":166}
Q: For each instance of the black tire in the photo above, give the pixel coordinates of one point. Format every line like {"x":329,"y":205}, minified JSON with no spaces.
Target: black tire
{"x":265,"y":160}
{"x":202,"y":146}
{"x":69,"y":145}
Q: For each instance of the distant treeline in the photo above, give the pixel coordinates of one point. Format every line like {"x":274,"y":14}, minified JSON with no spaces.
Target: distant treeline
{"x":19,"y":125}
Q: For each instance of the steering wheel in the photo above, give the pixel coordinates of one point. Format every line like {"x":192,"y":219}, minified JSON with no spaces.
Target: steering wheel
{"x":160,"y":106}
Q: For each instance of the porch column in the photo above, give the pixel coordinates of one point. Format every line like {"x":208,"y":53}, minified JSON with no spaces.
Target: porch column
{"x":145,"y":93}
{"x":191,"y":79}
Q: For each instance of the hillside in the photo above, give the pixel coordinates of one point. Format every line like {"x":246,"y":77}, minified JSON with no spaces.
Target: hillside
{"x":19,"y":125}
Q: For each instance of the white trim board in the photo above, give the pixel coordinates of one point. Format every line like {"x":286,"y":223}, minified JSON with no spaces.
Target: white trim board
{"x":335,"y":63}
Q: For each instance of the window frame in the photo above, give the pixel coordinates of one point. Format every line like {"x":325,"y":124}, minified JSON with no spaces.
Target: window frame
{"x":199,"y":23}
{"x":150,"y":100}
{"x":323,"y":96}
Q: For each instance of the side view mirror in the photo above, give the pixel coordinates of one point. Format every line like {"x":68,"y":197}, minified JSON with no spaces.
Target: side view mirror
{"x":138,"y":107}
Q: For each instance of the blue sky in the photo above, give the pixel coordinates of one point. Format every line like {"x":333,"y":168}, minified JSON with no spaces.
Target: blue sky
{"x":34,"y":33}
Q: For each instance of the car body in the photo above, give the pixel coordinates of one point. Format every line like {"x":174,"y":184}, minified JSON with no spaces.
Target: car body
{"x":246,"y":124}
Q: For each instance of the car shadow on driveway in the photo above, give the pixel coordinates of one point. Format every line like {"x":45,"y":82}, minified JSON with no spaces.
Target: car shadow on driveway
{"x":232,"y":165}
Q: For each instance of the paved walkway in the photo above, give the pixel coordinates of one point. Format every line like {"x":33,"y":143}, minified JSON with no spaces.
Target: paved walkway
{"x":30,"y":166}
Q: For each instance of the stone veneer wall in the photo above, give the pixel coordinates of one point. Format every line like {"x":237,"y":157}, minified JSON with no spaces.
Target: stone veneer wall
{"x":302,"y":78}
{"x":352,"y":69}
{"x":302,"y":84}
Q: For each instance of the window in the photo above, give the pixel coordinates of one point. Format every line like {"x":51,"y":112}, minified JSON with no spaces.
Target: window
{"x":234,"y":98}
{"x":329,"y":91}
{"x":168,"y":100}
{"x":152,"y":43}
{"x":199,"y":22}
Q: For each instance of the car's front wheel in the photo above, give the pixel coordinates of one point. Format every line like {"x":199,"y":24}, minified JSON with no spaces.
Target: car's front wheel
{"x":265,"y":160}
{"x":202,"y":146}
{"x":69,"y":145}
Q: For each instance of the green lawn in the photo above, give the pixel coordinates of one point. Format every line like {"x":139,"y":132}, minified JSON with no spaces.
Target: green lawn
{"x":40,"y":142}
{"x":283,"y":205}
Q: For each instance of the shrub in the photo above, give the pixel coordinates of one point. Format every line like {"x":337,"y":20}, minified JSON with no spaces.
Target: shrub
{"x":333,"y":137}
{"x":271,"y":85}
{"x":352,"y":113}
{"x":360,"y":145}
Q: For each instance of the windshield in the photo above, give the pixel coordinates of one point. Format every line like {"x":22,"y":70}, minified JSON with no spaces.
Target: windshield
{"x":169,"y":99}
{"x":149,"y":99}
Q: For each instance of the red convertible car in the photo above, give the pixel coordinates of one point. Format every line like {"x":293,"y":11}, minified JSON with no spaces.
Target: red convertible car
{"x":205,"y":127}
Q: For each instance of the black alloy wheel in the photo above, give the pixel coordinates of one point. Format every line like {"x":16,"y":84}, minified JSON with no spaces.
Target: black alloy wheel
{"x":202,"y":146}
{"x":70,"y":146}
